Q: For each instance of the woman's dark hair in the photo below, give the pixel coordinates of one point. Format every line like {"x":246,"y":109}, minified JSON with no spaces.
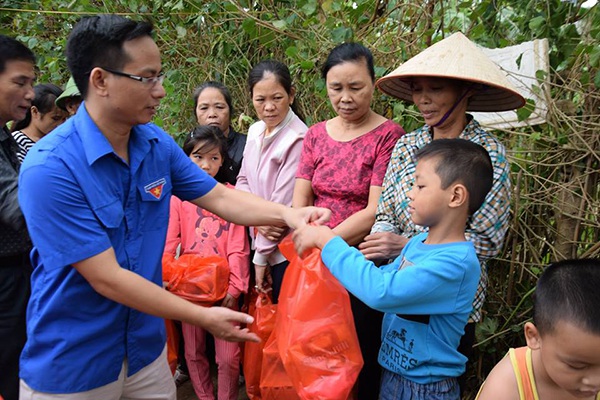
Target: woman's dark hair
{"x":349,"y":52}
{"x":282,"y":75}
{"x":45,"y":95}
{"x":215,"y":85}
{"x":211,"y":137}
{"x":98,"y":42}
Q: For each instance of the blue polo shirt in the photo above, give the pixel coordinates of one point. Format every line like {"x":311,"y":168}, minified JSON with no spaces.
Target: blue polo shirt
{"x":79,"y":199}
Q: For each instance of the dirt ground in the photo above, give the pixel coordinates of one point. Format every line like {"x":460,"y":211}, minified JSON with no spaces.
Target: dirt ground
{"x":186,"y":391}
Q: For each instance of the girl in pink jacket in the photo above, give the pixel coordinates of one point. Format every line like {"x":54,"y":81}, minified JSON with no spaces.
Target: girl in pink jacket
{"x":201,"y":232}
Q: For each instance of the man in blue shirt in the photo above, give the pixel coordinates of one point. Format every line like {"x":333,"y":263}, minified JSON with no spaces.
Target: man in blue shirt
{"x":95,"y":195}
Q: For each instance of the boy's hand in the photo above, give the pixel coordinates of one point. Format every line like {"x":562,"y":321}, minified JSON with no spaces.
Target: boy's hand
{"x":311,"y":236}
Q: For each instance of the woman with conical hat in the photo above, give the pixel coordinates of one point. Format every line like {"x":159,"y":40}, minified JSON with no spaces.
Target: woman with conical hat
{"x":445,"y":81}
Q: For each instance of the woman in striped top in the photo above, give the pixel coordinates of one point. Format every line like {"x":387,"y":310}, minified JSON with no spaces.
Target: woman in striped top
{"x":42,"y":117}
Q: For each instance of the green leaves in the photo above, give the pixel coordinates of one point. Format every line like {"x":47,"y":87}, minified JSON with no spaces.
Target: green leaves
{"x":524,"y":112}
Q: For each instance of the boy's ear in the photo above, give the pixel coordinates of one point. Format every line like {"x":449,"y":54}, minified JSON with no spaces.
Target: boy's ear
{"x":459,"y":196}
{"x":532,"y":336}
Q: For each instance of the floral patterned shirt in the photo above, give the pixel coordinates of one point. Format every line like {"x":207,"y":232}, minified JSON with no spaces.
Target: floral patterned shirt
{"x":341,"y":173}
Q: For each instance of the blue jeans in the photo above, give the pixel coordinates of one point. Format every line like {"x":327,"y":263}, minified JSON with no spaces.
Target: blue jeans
{"x":395,"y":387}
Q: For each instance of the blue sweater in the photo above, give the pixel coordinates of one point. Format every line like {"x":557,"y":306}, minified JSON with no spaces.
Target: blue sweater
{"x":435,"y":283}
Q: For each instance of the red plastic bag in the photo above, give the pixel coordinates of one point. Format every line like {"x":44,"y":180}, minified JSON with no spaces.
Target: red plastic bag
{"x":315,"y":329}
{"x":172,"y":345}
{"x":274,"y":381}
{"x":263,"y":311}
{"x":203,"y":280}
{"x":167,"y":267}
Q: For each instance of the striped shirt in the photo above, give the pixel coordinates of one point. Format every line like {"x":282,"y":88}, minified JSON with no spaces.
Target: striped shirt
{"x":24,"y":142}
{"x":486,"y":228}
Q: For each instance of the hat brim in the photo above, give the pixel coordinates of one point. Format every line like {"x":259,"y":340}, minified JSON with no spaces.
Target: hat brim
{"x":486,"y":98}
{"x":456,"y":58}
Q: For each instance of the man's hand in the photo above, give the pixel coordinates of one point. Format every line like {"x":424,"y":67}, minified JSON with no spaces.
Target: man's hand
{"x":299,"y":217}
{"x":310,"y":236}
{"x":382,"y":246}
{"x":223,"y":324}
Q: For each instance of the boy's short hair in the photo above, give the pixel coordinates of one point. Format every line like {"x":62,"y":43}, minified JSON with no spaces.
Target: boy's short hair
{"x":568,"y":291}
{"x":13,"y":50}
{"x":460,"y":160}
{"x":98,"y":42}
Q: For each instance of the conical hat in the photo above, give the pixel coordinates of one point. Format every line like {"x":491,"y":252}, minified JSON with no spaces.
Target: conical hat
{"x":456,"y":57}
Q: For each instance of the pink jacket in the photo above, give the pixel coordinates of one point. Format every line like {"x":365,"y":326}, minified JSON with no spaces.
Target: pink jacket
{"x":269,"y":170}
{"x":204,"y":233}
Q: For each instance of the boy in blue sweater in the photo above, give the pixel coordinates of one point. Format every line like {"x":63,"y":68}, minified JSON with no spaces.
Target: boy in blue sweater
{"x":427,"y":292}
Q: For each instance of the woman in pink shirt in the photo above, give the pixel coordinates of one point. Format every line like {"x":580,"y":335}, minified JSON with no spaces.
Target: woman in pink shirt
{"x":270,"y":160}
{"x":343,"y":163}
{"x":201,"y":232}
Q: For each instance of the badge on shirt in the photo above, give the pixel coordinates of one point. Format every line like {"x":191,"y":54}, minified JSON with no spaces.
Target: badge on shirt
{"x":156,"y":188}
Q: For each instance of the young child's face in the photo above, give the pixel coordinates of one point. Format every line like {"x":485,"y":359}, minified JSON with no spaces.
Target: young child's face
{"x":427,"y":198}
{"x":570,"y":358}
{"x":209,"y":160}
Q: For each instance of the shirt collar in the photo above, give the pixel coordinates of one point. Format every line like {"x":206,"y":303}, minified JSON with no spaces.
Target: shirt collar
{"x":469,"y":130}
{"x":279,"y":128}
{"x":96,"y":145}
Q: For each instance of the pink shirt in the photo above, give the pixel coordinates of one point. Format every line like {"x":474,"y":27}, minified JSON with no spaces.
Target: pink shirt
{"x":342,"y":173}
{"x":268,"y":170}
{"x":204,"y":233}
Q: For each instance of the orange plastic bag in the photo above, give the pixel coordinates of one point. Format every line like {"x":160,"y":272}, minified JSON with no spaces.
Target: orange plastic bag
{"x":203,"y":280}
{"x":172,"y":344}
{"x":167,"y":267}
{"x":315,"y":329}
{"x":274,"y":381}
{"x":263,"y":311}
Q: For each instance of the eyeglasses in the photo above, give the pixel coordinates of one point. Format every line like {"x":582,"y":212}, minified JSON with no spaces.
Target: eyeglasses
{"x":153,"y":80}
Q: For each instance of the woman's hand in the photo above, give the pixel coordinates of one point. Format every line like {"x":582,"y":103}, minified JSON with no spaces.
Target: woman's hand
{"x":273,"y":233}
{"x":263,"y":278}
{"x":382,"y":246}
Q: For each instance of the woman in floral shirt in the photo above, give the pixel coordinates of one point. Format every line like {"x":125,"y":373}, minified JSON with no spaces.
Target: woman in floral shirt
{"x":342,"y":166}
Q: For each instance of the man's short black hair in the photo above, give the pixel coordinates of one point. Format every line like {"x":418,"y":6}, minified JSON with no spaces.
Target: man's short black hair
{"x":568,"y":291}
{"x":13,"y":50}
{"x":98,"y":42}
{"x":462,"y":161}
